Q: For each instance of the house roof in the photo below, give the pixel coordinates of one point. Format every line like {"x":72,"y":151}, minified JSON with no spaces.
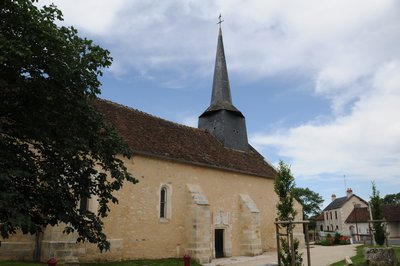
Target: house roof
{"x":152,"y":136}
{"x":390,"y":213}
{"x":339,"y":202}
{"x":358,"y":215}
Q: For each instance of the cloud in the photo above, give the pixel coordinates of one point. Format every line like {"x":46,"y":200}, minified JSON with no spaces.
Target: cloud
{"x":337,"y":43}
{"x":96,"y":17}
{"x":364,"y":143}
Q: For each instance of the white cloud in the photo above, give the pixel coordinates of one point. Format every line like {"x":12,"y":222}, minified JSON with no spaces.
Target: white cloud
{"x":97,"y":17}
{"x":336,"y":42}
{"x":364,"y":143}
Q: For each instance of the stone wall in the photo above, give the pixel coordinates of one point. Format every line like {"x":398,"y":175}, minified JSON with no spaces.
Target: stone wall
{"x":380,"y":256}
{"x":250,"y":240}
{"x":136,"y":230}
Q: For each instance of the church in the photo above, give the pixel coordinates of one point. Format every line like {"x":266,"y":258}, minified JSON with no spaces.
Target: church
{"x":202,"y":191}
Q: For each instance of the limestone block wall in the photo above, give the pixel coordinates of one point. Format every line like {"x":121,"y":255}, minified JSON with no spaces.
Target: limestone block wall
{"x":198,"y":224}
{"x":136,"y":231}
{"x":250,"y":240}
{"x":18,"y":247}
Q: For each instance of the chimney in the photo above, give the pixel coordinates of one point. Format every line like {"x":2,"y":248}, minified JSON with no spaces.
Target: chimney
{"x":333,"y":197}
{"x":349,"y":192}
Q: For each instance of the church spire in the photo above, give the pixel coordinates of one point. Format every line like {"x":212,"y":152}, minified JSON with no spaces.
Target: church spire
{"x":221,"y":98}
{"x":221,"y":91}
{"x":221,"y":118}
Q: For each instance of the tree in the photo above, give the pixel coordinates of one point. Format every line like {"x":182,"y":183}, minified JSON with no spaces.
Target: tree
{"x":391,"y":199}
{"x":377,"y":214}
{"x":55,"y":148}
{"x":310,"y":200}
{"x":283,"y":186}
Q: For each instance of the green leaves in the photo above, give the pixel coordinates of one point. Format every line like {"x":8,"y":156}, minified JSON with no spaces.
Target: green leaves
{"x":284,"y":185}
{"x":377,"y":214}
{"x":310,"y":200}
{"x":54,"y":146}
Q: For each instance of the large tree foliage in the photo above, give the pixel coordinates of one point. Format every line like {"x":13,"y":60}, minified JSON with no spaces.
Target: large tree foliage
{"x":377,"y":214}
{"x":391,"y":199}
{"x":310,"y":200}
{"x":284,"y":186}
{"x":55,"y":149}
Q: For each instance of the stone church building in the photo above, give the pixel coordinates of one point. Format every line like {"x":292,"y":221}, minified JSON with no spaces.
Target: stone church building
{"x":202,"y":191}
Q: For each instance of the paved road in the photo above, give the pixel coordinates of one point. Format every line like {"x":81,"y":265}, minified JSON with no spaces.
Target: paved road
{"x":320,"y":256}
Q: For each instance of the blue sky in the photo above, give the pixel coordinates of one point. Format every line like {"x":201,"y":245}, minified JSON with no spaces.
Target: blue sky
{"x":318,"y":81}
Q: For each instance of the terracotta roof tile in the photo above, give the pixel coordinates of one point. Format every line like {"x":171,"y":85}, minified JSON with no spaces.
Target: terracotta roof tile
{"x":358,"y":215}
{"x":153,"y":136}
{"x":390,"y":213}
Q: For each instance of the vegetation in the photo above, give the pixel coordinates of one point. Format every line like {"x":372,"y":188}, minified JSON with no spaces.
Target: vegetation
{"x":377,"y":214}
{"x":391,"y":199}
{"x":284,"y":184}
{"x":358,"y":260}
{"x":311,"y":202}
{"x":162,"y":262}
{"x":337,"y":239}
{"x":55,"y":148}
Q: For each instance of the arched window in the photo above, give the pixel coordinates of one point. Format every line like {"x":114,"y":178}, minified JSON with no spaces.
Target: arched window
{"x":163,"y":202}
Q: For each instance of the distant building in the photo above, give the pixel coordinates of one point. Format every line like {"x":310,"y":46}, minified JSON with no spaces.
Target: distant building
{"x":349,"y":215}
{"x":360,"y":217}
{"x":336,"y":213}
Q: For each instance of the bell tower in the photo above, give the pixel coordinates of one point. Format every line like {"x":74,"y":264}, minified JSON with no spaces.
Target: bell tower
{"x":222,"y":118}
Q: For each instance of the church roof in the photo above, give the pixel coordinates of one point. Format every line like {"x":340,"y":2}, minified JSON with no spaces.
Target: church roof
{"x":152,"y":136}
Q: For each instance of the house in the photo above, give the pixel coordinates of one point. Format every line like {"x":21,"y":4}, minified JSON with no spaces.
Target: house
{"x":202,"y":191}
{"x":336,"y":213}
{"x":359,"y":217}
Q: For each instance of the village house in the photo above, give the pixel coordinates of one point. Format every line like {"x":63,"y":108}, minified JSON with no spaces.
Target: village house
{"x":349,"y":216}
{"x":359,"y":217}
{"x":202,"y":191}
{"x":336,"y":213}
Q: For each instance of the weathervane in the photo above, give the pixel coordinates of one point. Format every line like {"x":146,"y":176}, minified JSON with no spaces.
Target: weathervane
{"x":220,"y":20}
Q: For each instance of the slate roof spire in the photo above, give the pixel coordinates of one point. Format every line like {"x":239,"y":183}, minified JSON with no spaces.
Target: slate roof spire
{"x":222,"y":118}
{"x":221,"y":92}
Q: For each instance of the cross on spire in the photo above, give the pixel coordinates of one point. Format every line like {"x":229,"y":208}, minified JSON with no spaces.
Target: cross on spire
{"x":220,"y":20}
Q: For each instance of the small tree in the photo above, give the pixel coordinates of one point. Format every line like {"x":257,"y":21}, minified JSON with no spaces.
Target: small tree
{"x":284,"y":185}
{"x":377,"y":214}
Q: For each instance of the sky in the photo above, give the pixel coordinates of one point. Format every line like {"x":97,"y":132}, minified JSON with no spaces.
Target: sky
{"x":318,"y":81}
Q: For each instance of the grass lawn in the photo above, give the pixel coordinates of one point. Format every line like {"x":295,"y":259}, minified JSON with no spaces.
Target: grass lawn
{"x":358,"y":260}
{"x":163,"y":262}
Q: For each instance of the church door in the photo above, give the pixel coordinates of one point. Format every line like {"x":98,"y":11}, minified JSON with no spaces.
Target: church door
{"x":219,"y":243}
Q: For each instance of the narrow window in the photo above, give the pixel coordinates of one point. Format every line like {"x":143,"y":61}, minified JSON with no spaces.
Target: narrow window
{"x":83,"y":203}
{"x":322,"y":228}
{"x":331,"y":215}
{"x":163,"y":202}
{"x":336,"y":215}
{"x":327,"y":216}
